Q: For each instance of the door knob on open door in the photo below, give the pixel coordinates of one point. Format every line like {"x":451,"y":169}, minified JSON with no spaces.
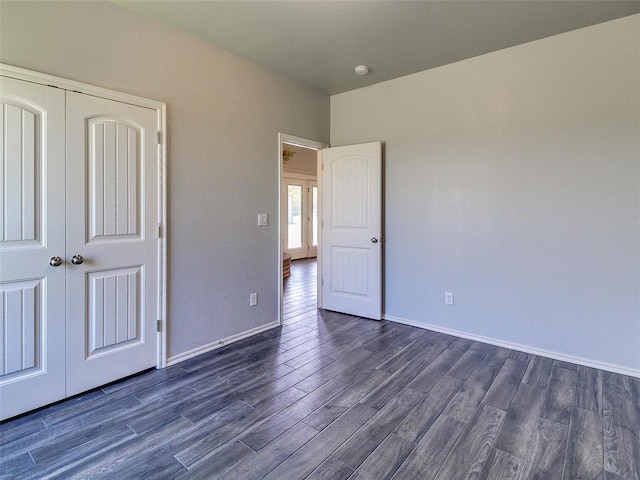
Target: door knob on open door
{"x":55,"y":261}
{"x":77,"y":259}
{"x":374,"y":240}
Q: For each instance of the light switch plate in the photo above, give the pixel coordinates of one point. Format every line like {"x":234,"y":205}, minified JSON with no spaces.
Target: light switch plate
{"x":263,"y":219}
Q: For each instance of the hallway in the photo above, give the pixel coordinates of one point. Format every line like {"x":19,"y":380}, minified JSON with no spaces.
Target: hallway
{"x":300,"y":291}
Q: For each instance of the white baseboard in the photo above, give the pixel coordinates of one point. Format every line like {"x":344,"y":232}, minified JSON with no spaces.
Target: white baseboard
{"x":181,"y":357}
{"x":521,"y":348}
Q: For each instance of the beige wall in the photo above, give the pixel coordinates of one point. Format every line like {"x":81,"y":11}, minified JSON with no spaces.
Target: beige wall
{"x":513,"y":180}
{"x":224,"y":115}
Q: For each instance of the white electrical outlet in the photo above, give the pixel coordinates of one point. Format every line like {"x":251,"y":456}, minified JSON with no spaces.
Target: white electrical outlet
{"x":253,"y":299}
{"x":448,"y":298}
{"x":263,"y":219}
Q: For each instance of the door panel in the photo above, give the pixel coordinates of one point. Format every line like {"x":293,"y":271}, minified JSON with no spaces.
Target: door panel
{"x":32,"y":206}
{"x":112,"y":302}
{"x":21,"y":305}
{"x":113,"y":183}
{"x":114,"y":313}
{"x":352,"y":228}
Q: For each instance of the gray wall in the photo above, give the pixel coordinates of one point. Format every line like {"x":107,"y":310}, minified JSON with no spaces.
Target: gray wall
{"x":224,"y":115}
{"x":513,"y":180}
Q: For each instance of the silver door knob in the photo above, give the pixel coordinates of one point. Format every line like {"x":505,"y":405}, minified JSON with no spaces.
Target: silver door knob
{"x":77,"y":259}
{"x":374,"y":240}
{"x":55,"y":261}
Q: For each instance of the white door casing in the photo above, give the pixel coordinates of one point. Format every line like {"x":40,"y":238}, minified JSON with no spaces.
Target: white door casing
{"x":284,"y":138}
{"x":351,"y":246}
{"x":32,"y":292}
{"x":112,"y":223}
{"x":313,"y":217}
{"x":70,"y":328}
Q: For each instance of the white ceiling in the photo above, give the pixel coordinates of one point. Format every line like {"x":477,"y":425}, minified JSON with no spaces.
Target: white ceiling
{"x":319,"y":42}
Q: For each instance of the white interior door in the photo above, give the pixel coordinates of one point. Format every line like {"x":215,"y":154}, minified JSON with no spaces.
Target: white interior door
{"x":32,"y":206}
{"x":351,"y":246}
{"x":112,"y":187}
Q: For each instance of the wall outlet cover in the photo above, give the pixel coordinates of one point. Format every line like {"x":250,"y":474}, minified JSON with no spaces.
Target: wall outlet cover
{"x":448,"y":298}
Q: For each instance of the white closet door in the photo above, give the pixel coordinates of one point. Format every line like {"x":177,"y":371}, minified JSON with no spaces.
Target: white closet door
{"x":32,"y":206}
{"x":112,"y":301}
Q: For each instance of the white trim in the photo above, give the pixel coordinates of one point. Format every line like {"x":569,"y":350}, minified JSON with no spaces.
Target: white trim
{"x":162,"y":253}
{"x":181,"y":357}
{"x":53,"y":81}
{"x":299,"y":176}
{"x":299,"y":142}
{"x":280,"y":270}
{"x":319,"y":272}
{"x":161,"y":124}
{"x":521,"y":348}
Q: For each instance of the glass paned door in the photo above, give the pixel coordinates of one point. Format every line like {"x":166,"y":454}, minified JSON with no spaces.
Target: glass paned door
{"x":294,"y":216}
{"x":300,"y":217}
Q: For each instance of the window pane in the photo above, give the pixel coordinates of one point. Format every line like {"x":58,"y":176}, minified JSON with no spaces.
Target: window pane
{"x":294,"y":215}
{"x":314,"y":216}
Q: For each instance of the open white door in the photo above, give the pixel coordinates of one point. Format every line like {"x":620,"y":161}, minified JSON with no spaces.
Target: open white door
{"x":351,"y":246}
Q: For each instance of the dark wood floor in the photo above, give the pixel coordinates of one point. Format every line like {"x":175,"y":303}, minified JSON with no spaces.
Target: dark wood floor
{"x":331,"y":396}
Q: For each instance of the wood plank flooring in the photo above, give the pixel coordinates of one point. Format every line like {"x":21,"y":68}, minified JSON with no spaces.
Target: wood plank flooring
{"x":330,"y":396}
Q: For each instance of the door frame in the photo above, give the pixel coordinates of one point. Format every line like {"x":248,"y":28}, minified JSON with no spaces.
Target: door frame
{"x":313,"y":145}
{"x":161,"y":125}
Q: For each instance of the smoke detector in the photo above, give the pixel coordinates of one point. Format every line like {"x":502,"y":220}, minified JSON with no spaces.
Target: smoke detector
{"x":361,"y":70}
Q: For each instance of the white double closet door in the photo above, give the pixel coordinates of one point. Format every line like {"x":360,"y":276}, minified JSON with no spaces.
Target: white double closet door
{"x":78,"y":244}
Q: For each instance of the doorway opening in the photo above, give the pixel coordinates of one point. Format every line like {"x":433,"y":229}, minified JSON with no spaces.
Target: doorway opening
{"x":299,"y":224}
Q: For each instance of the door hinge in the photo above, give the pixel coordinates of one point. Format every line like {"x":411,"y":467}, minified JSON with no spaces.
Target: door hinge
{"x":158,"y":138}
{"x":159,"y":231}
{"x":158,"y":325}
{"x":322,"y":282}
